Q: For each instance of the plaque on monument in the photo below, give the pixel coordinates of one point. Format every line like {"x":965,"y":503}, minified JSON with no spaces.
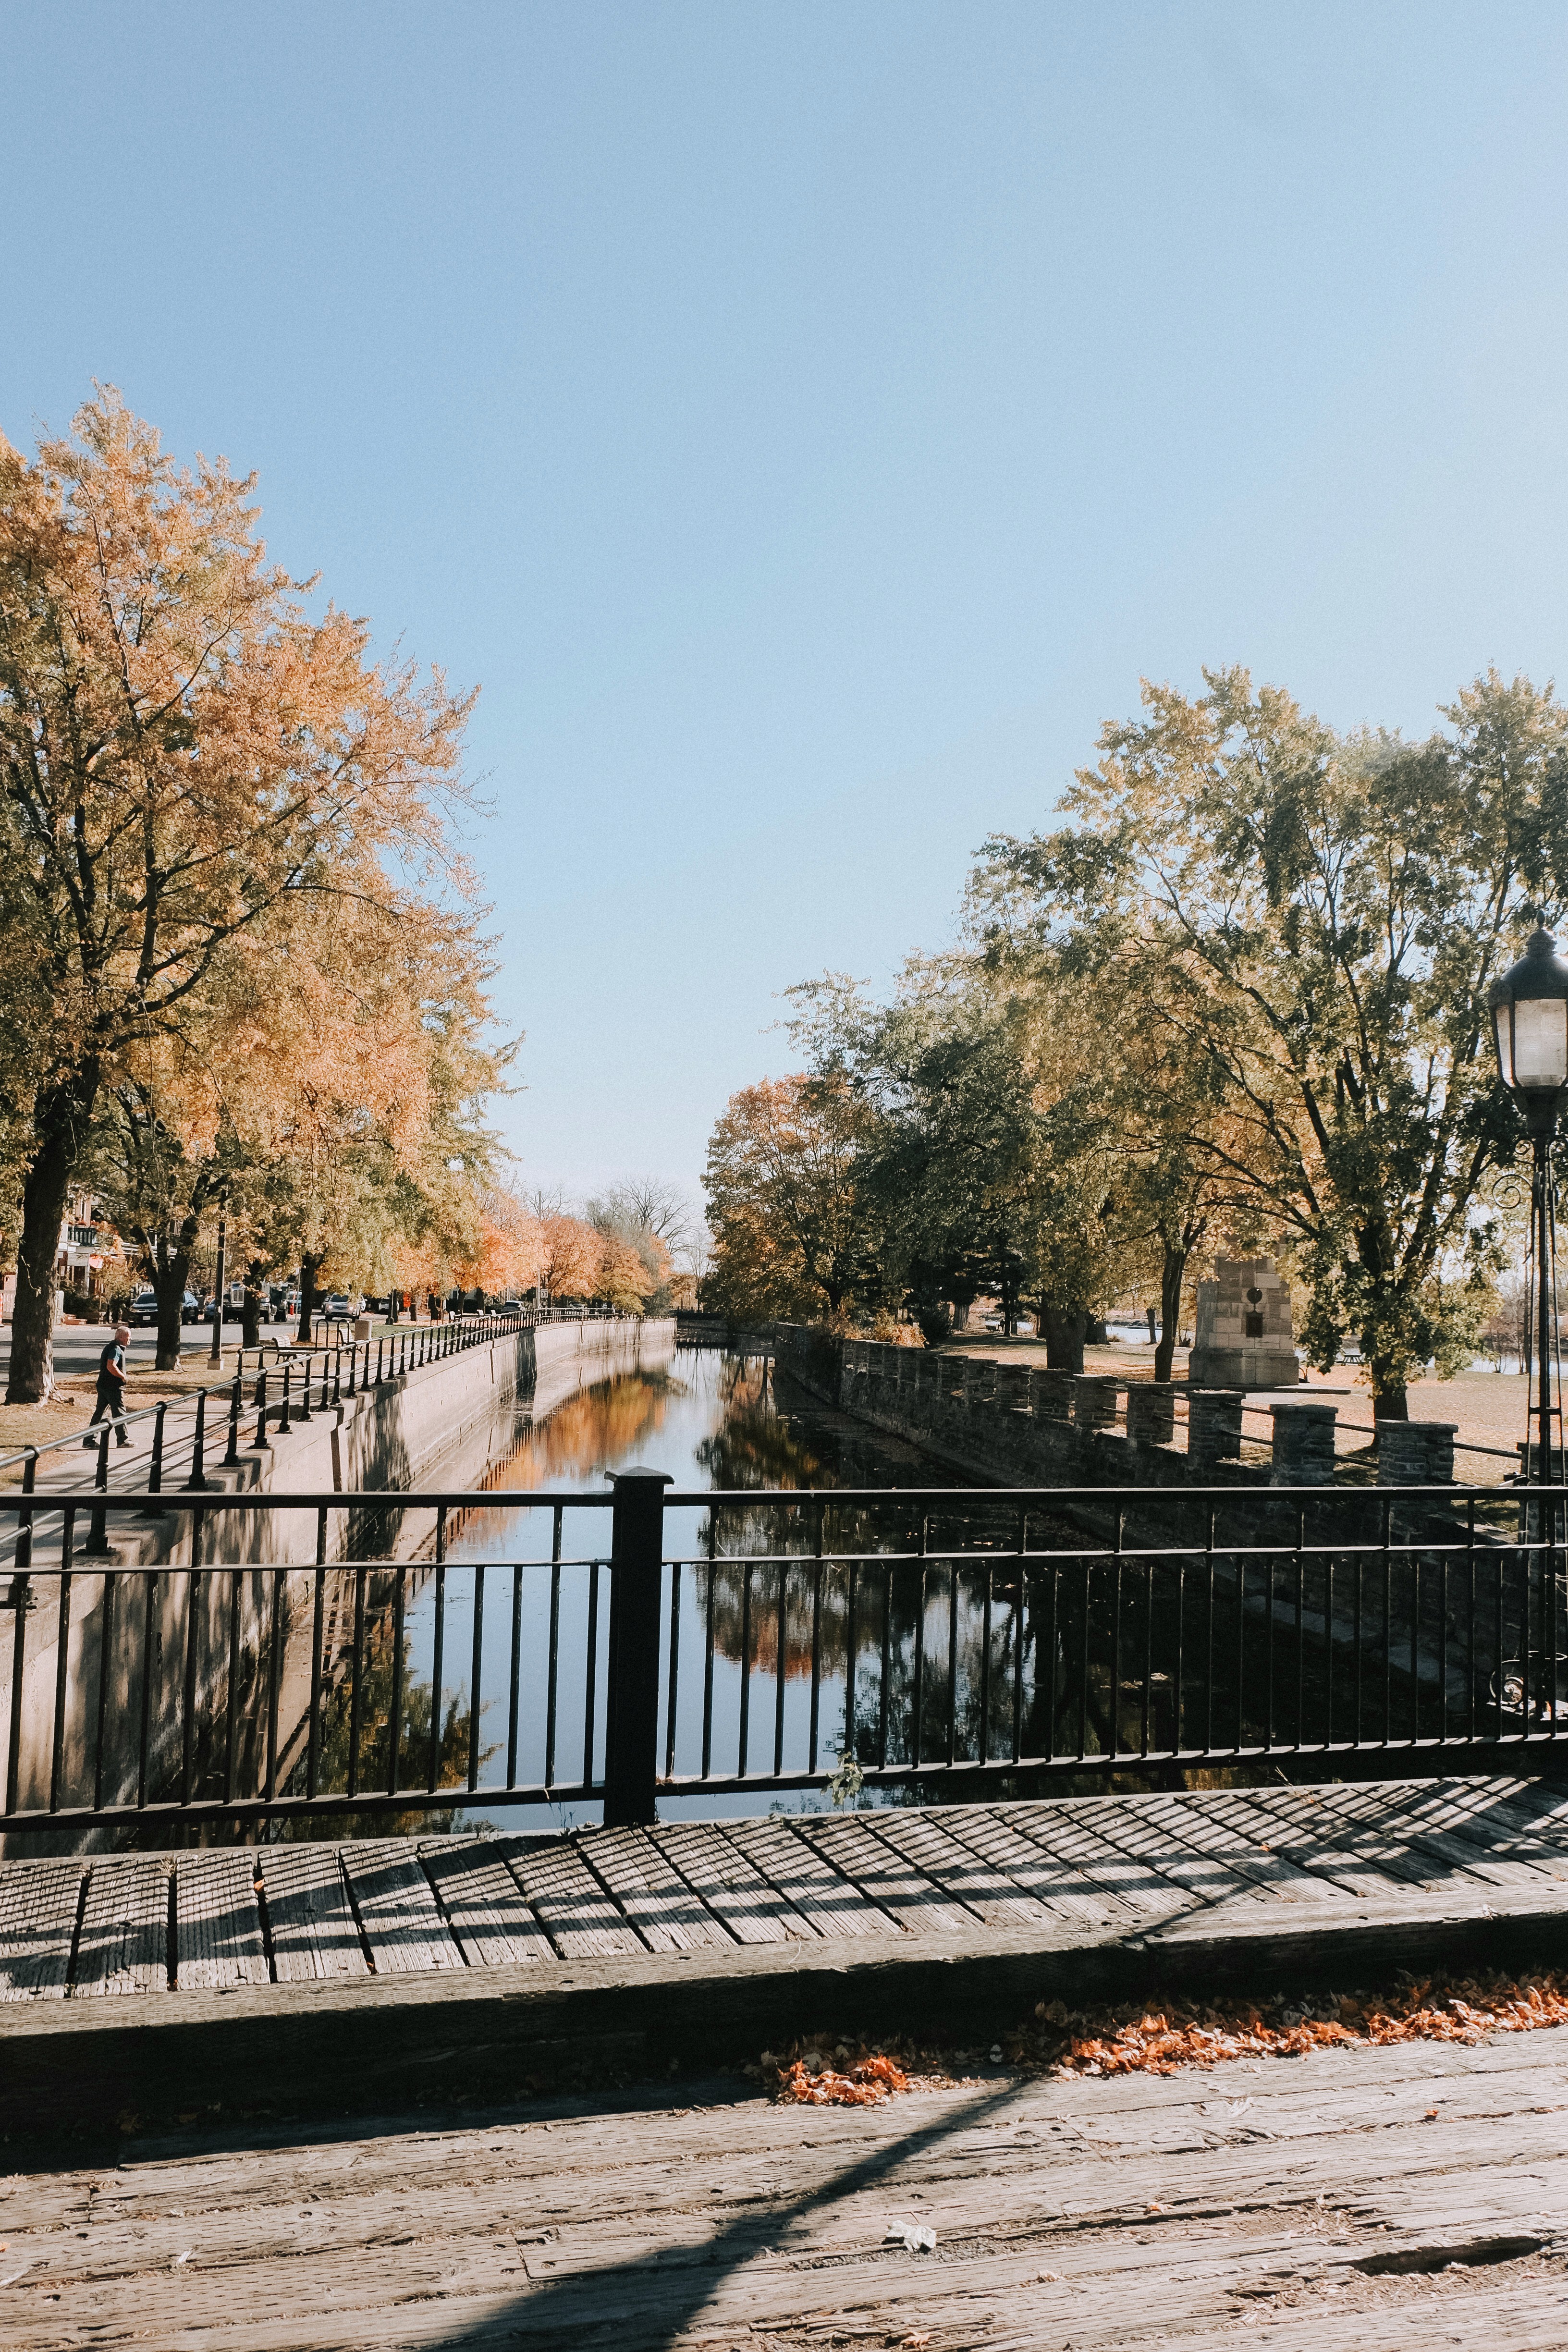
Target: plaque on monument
{"x":1243,"y":1338}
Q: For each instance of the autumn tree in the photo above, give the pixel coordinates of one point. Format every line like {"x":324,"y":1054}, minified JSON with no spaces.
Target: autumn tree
{"x":158,"y":1182}
{"x":186,"y":758}
{"x":569,"y":1256}
{"x":510,"y":1248}
{"x":638,"y":1221}
{"x":790,"y":1235}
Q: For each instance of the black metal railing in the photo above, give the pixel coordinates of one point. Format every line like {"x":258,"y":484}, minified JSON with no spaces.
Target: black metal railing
{"x":364,"y":1655}
{"x":270,"y":1389}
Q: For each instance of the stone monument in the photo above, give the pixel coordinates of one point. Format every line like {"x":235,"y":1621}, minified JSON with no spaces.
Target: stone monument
{"x":1243,"y":1336}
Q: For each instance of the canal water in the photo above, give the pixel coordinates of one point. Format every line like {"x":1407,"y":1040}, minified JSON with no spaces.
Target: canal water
{"x":844,"y":1635}
{"x":711,"y":1422}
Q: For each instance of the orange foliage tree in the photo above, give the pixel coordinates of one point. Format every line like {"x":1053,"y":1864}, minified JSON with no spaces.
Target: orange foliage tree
{"x":788,"y":1234}
{"x":186,"y":757}
{"x":569,"y":1256}
{"x":509,"y":1246}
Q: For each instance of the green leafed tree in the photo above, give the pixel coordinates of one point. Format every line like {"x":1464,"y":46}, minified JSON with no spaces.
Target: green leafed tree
{"x":1313,"y":921}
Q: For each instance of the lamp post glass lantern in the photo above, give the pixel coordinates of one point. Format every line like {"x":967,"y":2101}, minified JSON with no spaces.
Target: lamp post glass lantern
{"x":1529,"y":1026}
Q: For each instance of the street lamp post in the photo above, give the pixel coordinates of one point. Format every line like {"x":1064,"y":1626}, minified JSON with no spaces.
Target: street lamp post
{"x":1530,"y":1022}
{"x":217,"y":1356}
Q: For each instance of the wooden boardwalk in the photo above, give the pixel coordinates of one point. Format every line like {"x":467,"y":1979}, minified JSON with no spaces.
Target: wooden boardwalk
{"x":1392,"y":2199}
{"x":885,"y":1880}
{"x":327,"y":1977}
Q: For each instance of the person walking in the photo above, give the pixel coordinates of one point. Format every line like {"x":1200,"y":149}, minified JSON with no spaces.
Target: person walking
{"x":111,"y":1386}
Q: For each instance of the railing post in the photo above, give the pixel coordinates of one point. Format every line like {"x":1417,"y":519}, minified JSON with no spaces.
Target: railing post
{"x":236,"y":1398}
{"x":156,"y":1464}
{"x":631,"y":1722}
{"x":260,"y":1437}
{"x":196,"y":1482}
{"x":98,"y":1534}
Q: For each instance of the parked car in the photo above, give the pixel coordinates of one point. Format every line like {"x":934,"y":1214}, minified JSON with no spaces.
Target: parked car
{"x":190,"y":1307}
{"x":143,"y":1308}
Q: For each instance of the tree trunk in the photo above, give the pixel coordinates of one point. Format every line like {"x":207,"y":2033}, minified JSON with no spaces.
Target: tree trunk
{"x":1389,"y":1401}
{"x":1172,"y":1274}
{"x":170,"y":1285}
{"x":250,"y":1313}
{"x":1064,"y":1329}
{"x":310,"y":1297}
{"x":60,"y":1124}
{"x":169,"y":1271}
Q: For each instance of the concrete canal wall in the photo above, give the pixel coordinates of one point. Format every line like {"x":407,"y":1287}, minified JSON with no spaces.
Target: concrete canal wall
{"x":451,"y":1424}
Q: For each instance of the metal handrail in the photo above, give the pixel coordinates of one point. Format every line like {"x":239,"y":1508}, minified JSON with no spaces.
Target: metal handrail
{"x":972,"y":1636}
{"x":477,"y":1330}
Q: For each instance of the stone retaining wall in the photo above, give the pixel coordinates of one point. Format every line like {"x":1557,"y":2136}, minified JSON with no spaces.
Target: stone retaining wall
{"x":1025,"y":1425}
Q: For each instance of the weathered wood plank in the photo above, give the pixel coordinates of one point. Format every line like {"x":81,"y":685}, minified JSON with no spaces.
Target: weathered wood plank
{"x":732,"y":1888}
{"x":1141,"y":1834}
{"x":484,"y":1907}
{"x":311,"y":1925}
{"x":37,"y":1925}
{"x":1089,"y":2213}
{"x":123,"y":1944}
{"x":1455,"y":1823}
{"x":1064,"y":1832}
{"x":1383,"y":1839}
{"x":1212,"y":1830}
{"x":1308,"y":1841}
{"x":398,"y":1914}
{"x":217,"y":1920}
{"x":650,"y":1890}
{"x":885,"y":1877}
{"x":1064,"y":1890}
{"x":924,"y":1840}
{"x":565,"y":1898}
{"x":831,"y":1904}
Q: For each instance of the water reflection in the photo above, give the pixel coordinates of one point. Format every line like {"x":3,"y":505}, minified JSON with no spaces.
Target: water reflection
{"x":781,"y":1651}
{"x":537,"y":1581}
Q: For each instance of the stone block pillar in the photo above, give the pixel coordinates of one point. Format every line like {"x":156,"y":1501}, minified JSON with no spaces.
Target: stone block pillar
{"x":1415,"y":1453}
{"x":982,"y":1384}
{"x":1013,"y":1388}
{"x":1094,"y":1401}
{"x":1303,"y":1445}
{"x":1150,"y":1412}
{"x":1213,"y":1426}
{"x":1051,"y":1395}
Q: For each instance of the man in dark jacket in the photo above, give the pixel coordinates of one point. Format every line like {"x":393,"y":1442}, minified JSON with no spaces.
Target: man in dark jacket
{"x":111,"y":1385}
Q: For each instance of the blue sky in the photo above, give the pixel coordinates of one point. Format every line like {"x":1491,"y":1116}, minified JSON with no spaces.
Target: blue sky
{"x":806,"y":423}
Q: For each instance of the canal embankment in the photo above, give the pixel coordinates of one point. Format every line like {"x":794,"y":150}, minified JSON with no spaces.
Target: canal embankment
{"x":161,"y":1651}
